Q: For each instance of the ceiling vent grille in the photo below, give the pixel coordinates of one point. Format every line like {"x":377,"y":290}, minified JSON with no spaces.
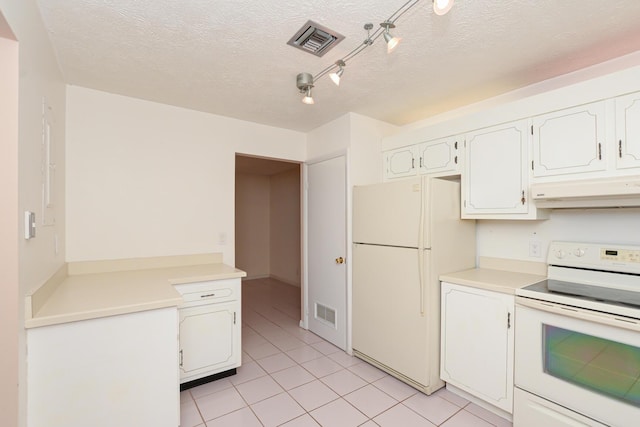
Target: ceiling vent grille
{"x":315,"y":39}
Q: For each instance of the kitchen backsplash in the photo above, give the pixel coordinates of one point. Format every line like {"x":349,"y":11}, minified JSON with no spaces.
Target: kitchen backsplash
{"x":517,"y":239}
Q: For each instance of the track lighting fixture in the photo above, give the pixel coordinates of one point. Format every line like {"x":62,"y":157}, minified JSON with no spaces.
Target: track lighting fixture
{"x":335,"y":76}
{"x":305,"y":81}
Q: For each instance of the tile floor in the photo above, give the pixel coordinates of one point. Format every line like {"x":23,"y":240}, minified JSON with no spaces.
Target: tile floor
{"x":291,"y":377}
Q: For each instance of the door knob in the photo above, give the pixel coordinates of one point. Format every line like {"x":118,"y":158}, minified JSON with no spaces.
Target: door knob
{"x":340,"y":260}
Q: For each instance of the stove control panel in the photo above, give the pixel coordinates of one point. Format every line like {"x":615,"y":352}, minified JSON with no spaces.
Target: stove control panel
{"x":622,"y":255}
{"x":596,"y":256}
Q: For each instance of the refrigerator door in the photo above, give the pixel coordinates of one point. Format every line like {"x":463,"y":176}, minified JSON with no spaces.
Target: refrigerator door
{"x":388,"y":327}
{"x":388,"y":213}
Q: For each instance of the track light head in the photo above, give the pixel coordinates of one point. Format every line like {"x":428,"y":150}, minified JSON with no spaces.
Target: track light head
{"x":335,"y":77}
{"x":304,"y":83}
{"x":392,"y":42}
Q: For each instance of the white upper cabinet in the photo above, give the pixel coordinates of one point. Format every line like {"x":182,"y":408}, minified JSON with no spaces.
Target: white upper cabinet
{"x":495,"y":179}
{"x":569,"y":141}
{"x":628,"y":131}
{"x":440,"y":155}
{"x":400,"y":162}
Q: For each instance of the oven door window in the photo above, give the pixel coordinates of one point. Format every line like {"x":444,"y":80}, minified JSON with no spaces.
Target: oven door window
{"x":593,"y":363}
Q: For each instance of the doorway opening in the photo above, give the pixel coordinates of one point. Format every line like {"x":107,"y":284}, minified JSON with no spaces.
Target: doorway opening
{"x":268,"y":212}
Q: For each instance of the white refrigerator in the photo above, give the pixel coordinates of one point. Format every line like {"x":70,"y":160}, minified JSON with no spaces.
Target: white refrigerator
{"x":405,"y":233}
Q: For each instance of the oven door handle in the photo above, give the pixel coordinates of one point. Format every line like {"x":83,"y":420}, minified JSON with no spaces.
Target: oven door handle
{"x":580,"y":313}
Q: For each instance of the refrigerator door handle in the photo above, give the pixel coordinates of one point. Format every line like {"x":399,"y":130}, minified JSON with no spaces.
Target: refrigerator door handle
{"x":421,"y":279}
{"x":423,"y":195}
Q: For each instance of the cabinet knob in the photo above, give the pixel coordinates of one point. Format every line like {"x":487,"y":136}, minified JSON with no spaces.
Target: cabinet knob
{"x":339,"y":260}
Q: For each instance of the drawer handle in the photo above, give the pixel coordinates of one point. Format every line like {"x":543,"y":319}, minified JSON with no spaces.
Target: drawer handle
{"x":207,"y":295}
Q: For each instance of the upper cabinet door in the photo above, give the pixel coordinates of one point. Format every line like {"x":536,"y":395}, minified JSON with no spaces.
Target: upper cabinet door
{"x":569,"y":141}
{"x":440,"y":155}
{"x":628,"y":131}
{"x":400,"y":162}
{"x":495,"y":179}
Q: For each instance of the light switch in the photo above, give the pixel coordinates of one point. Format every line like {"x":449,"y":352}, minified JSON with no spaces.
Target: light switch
{"x":29,"y":225}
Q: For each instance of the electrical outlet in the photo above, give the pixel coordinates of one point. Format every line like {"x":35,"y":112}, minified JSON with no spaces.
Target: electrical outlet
{"x":535,"y":249}
{"x":222,"y":238}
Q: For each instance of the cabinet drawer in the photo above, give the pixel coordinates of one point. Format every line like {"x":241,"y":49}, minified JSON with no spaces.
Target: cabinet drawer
{"x":209,"y":292}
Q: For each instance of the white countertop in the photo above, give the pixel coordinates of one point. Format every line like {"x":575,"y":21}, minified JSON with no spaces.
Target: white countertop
{"x":499,"y":275}
{"x":95,"y":295}
{"x":493,"y":280}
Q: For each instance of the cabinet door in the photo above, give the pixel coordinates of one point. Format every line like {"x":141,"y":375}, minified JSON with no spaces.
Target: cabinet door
{"x":209,"y":340}
{"x":569,"y":141}
{"x":495,"y":179}
{"x":628,"y":131}
{"x":440,"y":155}
{"x":400,"y":162}
{"x":477,"y":343}
{"x":111,"y":371}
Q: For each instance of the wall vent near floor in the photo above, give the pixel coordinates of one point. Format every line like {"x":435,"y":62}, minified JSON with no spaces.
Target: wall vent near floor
{"x":326,"y":315}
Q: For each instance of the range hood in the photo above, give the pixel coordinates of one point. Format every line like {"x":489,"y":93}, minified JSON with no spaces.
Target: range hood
{"x":594,"y":193}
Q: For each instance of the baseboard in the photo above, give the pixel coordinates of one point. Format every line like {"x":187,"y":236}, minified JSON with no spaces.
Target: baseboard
{"x":256,"y":276}
{"x":283,"y":280}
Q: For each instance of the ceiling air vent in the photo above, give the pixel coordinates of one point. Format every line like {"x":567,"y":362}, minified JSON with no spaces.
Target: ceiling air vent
{"x":315,"y":39}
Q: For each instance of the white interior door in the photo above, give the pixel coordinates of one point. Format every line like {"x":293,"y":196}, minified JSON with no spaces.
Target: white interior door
{"x":327,"y":273}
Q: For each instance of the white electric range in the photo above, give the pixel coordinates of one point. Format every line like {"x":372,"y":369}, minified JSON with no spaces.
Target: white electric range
{"x":577,"y":357}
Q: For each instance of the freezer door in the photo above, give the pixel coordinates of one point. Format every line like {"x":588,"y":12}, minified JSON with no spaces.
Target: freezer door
{"x":388,"y":213}
{"x":387,"y":324}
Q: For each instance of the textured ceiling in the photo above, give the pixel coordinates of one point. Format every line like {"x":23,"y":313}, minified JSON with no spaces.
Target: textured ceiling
{"x":231,"y":58}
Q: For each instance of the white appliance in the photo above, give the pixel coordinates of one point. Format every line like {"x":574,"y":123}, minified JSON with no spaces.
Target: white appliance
{"x":577,"y":355}
{"x":592,"y":193}
{"x":406,"y":233}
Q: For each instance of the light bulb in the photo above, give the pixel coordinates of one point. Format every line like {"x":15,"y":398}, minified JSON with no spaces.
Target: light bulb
{"x":392,"y":42}
{"x":308,"y":99}
{"x":335,"y":77}
{"x":441,"y":7}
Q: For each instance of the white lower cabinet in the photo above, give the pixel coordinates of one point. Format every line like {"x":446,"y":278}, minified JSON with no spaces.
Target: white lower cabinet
{"x":111,"y":371}
{"x":478,"y":343}
{"x":530,"y":410}
{"x":210,"y":328}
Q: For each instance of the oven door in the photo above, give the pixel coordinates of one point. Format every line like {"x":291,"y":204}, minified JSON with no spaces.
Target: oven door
{"x":583,"y":360}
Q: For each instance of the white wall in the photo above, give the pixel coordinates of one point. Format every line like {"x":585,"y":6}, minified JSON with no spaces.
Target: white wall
{"x":39,"y":77}
{"x":330,"y":138}
{"x":253,"y":195}
{"x":510,"y":239}
{"x":365,"y":142}
{"x":284,"y":227}
{"x":147,"y":179}
{"x":9,"y":226}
